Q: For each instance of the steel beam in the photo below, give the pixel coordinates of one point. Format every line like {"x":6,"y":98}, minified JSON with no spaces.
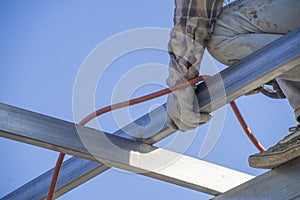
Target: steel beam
{"x":281,"y":183}
{"x":266,"y":64}
{"x":76,"y":170}
{"x":114,"y":151}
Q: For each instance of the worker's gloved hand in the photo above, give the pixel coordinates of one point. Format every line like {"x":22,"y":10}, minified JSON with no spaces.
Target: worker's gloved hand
{"x":193,"y":24}
{"x":181,"y":115}
{"x":180,"y":110}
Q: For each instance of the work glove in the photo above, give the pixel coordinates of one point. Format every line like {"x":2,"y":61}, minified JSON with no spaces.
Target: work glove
{"x":193,"y":24}
{"x":180,"y":105}
{"x":180,"y":110}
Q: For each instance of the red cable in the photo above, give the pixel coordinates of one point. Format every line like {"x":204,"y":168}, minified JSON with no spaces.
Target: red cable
{"x":114,"y":107}
{"x":140,"y":100}
{"x":246,"y":127}
{"x":58,"y":164}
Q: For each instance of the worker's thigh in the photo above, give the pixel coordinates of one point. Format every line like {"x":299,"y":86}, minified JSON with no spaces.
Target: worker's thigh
{"x":247,"y":25}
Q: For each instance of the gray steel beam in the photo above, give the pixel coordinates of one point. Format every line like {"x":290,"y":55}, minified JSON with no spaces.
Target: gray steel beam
{"x":76,"y":170}
{"x":264,"y":65}
{"x":281,"y":183}
{"x":114,"y":151}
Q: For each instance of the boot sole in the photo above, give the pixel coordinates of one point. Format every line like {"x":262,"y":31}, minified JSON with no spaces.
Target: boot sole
{"x":274,"y":159}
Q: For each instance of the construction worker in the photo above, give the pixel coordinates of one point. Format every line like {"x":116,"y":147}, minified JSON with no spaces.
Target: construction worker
{"x":230,"y":34}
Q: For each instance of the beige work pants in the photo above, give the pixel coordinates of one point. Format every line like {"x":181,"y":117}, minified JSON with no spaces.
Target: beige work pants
{"x":245,"y":26}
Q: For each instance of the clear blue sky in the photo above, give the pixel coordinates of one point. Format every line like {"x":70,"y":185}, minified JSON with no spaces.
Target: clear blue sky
{"x":44,"y":43}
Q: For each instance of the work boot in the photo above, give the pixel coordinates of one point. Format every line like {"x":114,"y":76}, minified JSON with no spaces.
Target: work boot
{"x":284,"y":151}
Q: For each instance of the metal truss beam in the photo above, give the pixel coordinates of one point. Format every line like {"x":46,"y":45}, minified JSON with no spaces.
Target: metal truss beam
{"x":114,"y":151}
{"x":280,"y":183}
{"x":76,"y":170}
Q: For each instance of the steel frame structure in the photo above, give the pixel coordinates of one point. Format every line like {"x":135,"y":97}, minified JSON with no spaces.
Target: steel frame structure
{"x":264,"y":65}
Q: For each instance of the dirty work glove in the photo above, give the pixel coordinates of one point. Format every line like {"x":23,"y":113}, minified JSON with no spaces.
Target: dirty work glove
{"x":180,"y":110}
{"x":193,"y":24}
{"x":180,"y":104}
{"x":185,"y":56}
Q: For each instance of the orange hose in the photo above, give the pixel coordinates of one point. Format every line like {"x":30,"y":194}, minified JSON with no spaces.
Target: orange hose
{"x":114,"y":107}
{"x":140,"y":100}
{"x":246,"y":127}
{"x":58,"y":164}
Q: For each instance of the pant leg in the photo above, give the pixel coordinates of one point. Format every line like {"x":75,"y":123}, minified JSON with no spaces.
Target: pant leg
{"x":247,"y":25}
{"x":291,"y":89}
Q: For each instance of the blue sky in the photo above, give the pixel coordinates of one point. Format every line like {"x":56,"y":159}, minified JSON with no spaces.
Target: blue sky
{"x":43,"y":45}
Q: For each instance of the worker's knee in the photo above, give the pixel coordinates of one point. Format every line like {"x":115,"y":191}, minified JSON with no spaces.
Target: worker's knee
{"x":230,"y":49}
{"x":230,"y":42}
{"x":259,"y":16}
{"x":247,"y":25}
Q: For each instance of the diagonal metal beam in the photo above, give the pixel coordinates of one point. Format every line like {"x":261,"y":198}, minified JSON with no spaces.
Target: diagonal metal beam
{"x":264,"y":65}
{"x":280,"y":183}
{"x":75,"y":171}
{"x":115,"y":151}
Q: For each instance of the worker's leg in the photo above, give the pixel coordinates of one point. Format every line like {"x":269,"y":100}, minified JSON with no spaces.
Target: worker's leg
{"x":247,"y":25}
{"x":291,"y":90}
{"x":244,"y":27}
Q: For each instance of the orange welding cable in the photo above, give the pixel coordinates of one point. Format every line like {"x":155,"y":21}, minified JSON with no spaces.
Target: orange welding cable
{"x":114,"y":107}
{"x":58,"y":164}
{"x":246,"y":127}
{"x":140,"y":100}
